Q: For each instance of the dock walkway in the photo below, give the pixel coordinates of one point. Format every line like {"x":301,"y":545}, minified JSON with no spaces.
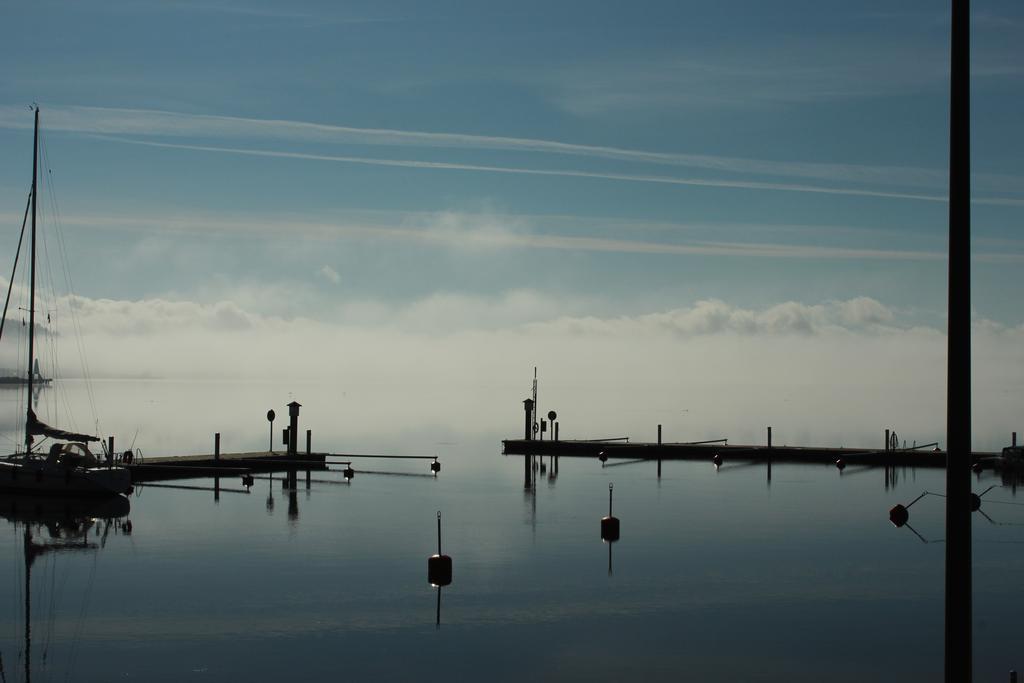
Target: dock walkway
{"x":690,"y":451}
{"x":223,"y":464}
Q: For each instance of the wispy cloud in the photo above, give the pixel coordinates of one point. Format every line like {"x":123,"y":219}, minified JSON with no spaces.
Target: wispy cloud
{"x":472,"y":231}
{"x":330,"y":274}
{"x":568,"y":173}
{"x":135,"y":122}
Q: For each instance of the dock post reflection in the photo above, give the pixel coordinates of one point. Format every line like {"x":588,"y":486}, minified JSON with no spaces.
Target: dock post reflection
{"x":309,"y":455}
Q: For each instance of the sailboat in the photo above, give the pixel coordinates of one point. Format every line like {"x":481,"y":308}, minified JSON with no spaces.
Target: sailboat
{"x":68,"y":467}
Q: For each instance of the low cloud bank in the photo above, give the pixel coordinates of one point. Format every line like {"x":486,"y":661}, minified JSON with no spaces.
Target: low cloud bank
{"x":837,"y":370}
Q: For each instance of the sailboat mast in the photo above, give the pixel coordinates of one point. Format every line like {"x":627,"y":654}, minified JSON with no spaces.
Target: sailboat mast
{"x":32,"y":285}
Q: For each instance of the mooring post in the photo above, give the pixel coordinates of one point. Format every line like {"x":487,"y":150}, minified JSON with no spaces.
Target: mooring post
{"x":293,"y":428}
{"x":769,"y":437}
{"x":659,"y":435}
{"x":886,"y":440}
{"x":556,"y":431}
{"x":528,"y":408}
{"x":216,"y":448}
{"x":1014,"y":439}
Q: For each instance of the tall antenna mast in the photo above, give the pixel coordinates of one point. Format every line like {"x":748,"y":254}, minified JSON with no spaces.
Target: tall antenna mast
{"x":533,"y":418}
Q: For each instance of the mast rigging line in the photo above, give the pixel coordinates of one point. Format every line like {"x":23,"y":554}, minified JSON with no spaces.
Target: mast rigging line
{"x":58,"y":230}
{"x":14,"y":268}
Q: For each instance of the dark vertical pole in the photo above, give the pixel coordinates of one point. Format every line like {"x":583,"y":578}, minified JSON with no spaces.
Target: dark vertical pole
{"x":769,"y":437}
{"x":556,"y":431}
{"x":659,"y":435}
{"x":110,"y":451}
{"x":216,"y":462}
{"x":1014,"y":440}
{"x":887,"y":440}
{"x":309,"y":454}
{"x":958,"y":381}
{"x":526,"y":470}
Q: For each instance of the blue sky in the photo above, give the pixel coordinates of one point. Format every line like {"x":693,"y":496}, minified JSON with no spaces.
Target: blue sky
{"x":357,"y":163}
{"x":792,"y":121}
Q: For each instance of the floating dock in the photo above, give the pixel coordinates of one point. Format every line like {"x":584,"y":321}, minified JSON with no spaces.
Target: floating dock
{"x":621,"y":449}
{"x":223,"y":465}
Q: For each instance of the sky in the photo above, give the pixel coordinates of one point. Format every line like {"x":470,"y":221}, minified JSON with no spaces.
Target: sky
{"x":650,"y":196}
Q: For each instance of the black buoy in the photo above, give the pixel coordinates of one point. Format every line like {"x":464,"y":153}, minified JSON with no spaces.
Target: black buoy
{"x":975,"y":502}
{"x":610,"y":524}
{"x":717,"y":459}
{"x":439,"y":567}
{"x":248,"y":480}
{"x":840,"y":464}
{"x":349,"y":473}
{"x":602,"y":457}
{"x":977,"y":467}
{"x":899,"y":515}
{"x":435,"y":466}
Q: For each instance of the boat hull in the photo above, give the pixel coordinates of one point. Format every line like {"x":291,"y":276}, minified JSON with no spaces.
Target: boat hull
{"x":46,"y":479}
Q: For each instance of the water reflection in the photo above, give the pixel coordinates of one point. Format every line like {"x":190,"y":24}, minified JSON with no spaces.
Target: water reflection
{"x":54,"y":526}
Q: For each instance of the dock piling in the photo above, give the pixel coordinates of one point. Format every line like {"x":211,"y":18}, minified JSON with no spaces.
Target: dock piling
{"x":216,"y":448}
{"x":659,"y":435}
{"x":1014,"y":440}
{"x":769,"y":437}
{"x":887,"y":439}
{"x":528,"y":409}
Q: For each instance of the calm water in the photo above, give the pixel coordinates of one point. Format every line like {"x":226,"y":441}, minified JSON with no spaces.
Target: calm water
{"x":719,"y":576}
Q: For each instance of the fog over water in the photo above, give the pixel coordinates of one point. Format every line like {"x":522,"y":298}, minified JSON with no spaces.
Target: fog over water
{"x":833,"y":373}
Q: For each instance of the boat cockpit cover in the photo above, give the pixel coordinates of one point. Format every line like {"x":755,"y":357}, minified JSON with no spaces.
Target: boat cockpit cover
{"x":37,"y":428}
